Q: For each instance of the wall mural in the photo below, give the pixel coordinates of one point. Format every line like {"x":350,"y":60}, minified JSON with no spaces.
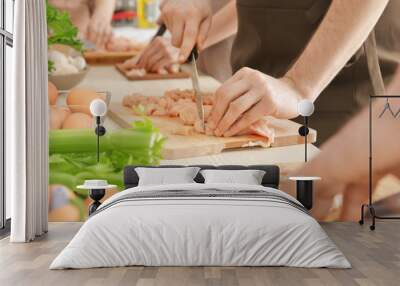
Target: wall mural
{"x":142,"y":127}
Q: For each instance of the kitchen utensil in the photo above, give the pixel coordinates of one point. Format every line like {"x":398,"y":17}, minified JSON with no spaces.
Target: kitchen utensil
{"x":196,"y":86}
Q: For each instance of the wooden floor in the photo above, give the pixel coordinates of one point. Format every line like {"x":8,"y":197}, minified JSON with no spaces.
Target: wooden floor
{"x":375,"y":257}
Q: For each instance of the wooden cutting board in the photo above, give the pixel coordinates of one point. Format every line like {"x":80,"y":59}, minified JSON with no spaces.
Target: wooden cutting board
{"x":178,"y":147}
{"x":151,"y":76}
{"x":108,"y":58}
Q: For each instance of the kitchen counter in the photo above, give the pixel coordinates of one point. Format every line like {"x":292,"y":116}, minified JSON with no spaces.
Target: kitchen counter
{"x":107,"y":78}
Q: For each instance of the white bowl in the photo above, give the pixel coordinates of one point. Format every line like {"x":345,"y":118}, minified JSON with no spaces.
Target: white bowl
{"x":68,"y":81}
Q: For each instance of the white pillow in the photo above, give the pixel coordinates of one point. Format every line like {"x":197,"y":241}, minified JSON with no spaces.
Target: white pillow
{"x":166,"y":176}
{"x":246,"y":177}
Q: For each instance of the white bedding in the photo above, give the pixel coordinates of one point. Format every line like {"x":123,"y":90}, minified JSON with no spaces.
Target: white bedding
{"x":202,"y":231}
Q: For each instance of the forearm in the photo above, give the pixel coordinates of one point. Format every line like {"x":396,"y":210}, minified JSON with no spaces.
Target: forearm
{"x":105,"y":8}
{"x":345,"y":156}
{"x":341,"y":33}
{"x":224,"y":24}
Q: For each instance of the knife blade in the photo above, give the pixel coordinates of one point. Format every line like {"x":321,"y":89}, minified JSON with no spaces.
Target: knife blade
{"x":196,"y":86}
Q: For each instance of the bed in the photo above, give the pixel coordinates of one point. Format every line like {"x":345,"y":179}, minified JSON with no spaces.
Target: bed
{"x":199,"y":224}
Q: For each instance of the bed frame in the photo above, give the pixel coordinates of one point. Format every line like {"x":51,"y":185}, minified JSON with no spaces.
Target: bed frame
{"x":271,"y":177}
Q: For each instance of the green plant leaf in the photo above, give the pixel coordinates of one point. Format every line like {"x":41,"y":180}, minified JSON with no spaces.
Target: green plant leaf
{"x":60,"y":29}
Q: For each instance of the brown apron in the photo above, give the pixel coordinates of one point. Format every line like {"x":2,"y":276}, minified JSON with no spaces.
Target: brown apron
{"x":215,"y":60}
{"x":273,"y":33}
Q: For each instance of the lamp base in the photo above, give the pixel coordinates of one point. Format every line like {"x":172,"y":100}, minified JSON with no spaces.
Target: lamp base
{"x":304,"y":193}
{"x":96,"y":195}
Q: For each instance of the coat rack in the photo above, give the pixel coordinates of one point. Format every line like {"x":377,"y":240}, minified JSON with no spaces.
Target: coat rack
{"x":379,"y":91}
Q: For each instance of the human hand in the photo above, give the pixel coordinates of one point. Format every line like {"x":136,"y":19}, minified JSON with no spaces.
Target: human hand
{"x":188,"y":22}
{"x":99,"y":30}
{"x":350,"y":194}
{"x":351,"y":190}
{"x":249,"y":96}
{"x":158,"y":55}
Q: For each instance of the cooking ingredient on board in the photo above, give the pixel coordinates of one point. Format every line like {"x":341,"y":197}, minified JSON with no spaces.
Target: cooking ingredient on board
{"x":52,"y":93}
{"x":122,"y":44}
{"x":73,"y":154}
{"x":63,"y":64}
{"x":182,"y":104}
{"x":78,"y":100}
{"x":77,"y":120}
{"x":132,"y":69}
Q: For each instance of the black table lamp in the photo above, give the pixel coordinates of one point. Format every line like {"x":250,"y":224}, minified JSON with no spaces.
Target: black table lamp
{"x":304,"y":185}
{"x":98,"y":108}
{"x":305,"y":109}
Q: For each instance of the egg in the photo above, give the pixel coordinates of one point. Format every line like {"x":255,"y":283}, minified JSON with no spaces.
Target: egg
{"x":53,"y":93}
{"x":57,"y":116}
{"x":64,"y":112}
{"x":77,"y":120}
{"x":78,"y":100}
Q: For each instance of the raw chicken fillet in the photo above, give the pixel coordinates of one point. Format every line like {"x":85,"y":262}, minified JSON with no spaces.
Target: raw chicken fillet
{"x":182,"y":104}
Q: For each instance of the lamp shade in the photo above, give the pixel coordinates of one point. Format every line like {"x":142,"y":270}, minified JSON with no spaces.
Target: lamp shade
{"x":305,"y":108}
{"x":98,"y":107}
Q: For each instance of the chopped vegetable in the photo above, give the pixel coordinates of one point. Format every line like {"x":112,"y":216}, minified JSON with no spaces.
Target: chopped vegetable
{"x":73,"y":154}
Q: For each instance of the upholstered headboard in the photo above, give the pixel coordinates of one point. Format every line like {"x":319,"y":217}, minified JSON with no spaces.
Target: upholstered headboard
{"x":271,"y":177}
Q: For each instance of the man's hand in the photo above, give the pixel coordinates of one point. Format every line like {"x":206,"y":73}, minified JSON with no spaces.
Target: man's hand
{"x":249,"y":96}
{"x":158,"y":55}
{"x":188,"y":22}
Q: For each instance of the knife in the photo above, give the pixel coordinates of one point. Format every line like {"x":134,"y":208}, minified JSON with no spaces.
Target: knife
{"x":195,"y":75}
{"x":196,"y":86}
{"x":160,"y":32}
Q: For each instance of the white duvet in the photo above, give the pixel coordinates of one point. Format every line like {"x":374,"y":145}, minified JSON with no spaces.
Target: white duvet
{"x":200,"y":232}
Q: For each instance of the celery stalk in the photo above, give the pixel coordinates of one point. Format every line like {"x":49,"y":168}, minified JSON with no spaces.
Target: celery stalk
{"x":73,"y":154}
{"x":85,"y":140}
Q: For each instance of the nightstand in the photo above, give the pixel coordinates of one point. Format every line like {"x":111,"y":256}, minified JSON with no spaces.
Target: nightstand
{"x":304,"y":190}
{"x":97,"y":190}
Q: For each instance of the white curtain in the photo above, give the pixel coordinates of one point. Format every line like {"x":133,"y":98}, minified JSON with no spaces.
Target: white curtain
{"x":26,"y":124}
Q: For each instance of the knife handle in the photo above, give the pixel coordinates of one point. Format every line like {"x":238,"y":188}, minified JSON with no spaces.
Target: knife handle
{"x":194,"y":53}
{"x":160,"y":32}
